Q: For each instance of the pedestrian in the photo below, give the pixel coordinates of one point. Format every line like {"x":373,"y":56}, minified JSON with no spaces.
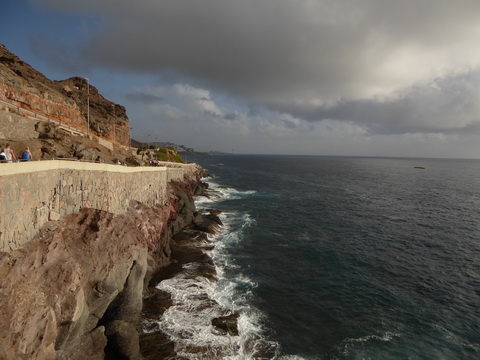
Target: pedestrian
{"x":9,"y":154}
{"x":27,"y":155}
{"x":3,"y":157}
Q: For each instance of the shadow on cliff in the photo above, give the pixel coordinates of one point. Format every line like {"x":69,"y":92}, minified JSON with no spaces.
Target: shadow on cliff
{"x":76,"y":290}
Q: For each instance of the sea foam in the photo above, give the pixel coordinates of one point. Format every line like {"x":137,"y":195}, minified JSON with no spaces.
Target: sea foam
{"x":198,"y":300}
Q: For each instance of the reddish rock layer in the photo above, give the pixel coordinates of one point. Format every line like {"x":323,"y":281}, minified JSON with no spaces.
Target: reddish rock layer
{"x":78,"y":286}
{"x":72,"y":102}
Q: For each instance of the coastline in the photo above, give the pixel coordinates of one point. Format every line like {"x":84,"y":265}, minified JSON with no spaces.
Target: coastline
{"x":192,"y":309}
{"x":189,"y":247}
{"x":75,"y":290}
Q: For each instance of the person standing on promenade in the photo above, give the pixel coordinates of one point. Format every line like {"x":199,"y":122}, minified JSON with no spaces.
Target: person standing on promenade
{"x":9,"y":154}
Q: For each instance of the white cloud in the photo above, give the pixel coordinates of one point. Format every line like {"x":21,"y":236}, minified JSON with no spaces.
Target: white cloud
{"x":197,"y":99}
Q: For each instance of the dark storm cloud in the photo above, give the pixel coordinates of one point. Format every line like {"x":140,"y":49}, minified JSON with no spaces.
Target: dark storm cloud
{"x":288,"y":124}
{"x":231,"y":116}
{"x":57,"y":54}
{"x":140,"y":97}
{"x":366,"y":61}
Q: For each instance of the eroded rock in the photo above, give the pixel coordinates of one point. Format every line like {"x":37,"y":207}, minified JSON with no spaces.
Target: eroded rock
{"x":79,"y":286}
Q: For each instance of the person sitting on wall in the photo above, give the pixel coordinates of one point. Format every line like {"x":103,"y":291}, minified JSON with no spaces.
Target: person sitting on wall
{"x":27,"y":155}
{"x":9,"y":154}
{"x":98,"y":159}
{"x":3,"y":156}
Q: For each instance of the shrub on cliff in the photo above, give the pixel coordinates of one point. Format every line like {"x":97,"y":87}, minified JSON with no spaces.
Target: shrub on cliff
{"x":132,"y":161}
{"x":169,"y":154}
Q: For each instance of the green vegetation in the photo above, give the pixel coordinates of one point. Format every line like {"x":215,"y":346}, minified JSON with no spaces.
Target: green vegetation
{"x":169,"y":154}
{"x":162,"y":154}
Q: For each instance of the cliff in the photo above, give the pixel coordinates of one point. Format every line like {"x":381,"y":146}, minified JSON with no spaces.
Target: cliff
{"x":75,"y":290}
{"x":72,"y":102}
{"x":51,"y":117}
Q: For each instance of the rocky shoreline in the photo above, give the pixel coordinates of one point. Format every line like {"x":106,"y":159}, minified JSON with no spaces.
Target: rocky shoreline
{"x":76,"y":290}
{"x":188,"y":246}
{"x":181,"y":318}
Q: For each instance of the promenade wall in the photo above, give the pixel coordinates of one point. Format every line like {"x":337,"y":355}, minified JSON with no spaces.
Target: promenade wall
{"x":33,"y":193}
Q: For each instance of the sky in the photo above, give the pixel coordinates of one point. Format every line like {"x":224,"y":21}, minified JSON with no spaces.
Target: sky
{"x":302,"y":77}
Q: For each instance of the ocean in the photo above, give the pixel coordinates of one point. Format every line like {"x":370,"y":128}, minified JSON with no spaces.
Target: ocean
{"x":343,"y":257}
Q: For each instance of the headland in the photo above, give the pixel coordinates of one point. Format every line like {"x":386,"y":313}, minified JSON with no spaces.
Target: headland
{"x":80,"y":241}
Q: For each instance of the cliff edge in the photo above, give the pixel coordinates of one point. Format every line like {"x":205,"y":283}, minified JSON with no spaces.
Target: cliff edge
{"x":76,"y":290}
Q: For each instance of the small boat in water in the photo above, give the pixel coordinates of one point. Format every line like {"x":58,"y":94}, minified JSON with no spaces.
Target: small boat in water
{"x":419,"y":167}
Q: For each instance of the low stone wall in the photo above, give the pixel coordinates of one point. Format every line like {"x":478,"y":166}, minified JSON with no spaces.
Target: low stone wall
{"x":33,"y":193}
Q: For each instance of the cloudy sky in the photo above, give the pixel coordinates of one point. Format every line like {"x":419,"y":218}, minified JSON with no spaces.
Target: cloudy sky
{"x":316,"y":77}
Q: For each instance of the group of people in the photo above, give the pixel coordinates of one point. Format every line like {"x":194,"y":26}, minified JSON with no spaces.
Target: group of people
{"x":8,"y":155}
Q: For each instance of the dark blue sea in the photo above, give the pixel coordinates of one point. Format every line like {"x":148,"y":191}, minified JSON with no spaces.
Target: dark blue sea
{"x":348,"y":258}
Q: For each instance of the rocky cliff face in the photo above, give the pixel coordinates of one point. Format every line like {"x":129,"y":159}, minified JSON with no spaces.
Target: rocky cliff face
{"x":65,"y":101}
{"x":75,"y":291}
{"x":31,"y":98}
